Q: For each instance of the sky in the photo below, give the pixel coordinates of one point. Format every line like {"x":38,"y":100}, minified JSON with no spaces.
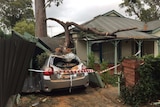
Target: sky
{"x":79,"y":11}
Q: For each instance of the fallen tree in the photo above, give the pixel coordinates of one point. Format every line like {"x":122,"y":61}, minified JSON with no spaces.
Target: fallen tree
{"x":68,"y":38}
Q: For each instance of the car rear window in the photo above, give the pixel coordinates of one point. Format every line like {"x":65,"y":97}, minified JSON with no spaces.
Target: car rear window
{"x":63,"y":63}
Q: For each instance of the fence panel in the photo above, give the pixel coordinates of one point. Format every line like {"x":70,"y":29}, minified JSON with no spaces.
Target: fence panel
{"x":15,"y":56}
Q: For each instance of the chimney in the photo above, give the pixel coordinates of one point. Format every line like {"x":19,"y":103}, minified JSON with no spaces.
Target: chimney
{"x":145,"y":27}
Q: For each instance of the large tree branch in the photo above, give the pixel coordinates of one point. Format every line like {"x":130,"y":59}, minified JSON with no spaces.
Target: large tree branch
{"x":95,"y":31}
{"x":120,"y":30}
{"x":58,"y":21}
{"x":90,"y":30}
{"x":86,"y":29}
{"x":65,"y":26}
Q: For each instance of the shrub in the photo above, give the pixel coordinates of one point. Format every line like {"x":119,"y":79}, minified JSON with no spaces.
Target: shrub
{"x":91,"y":60}
{"x":148,"y":86}
{"x":106,"y":77}
{"x":109,"y":79}
{"x":40,"y":59}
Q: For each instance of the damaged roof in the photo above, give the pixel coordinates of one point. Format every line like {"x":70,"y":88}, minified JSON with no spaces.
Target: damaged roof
{"x":109,"y":22}
{"x":53,"y":43}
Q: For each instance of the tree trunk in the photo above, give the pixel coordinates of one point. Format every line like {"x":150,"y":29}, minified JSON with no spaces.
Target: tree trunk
{"x":40,"y":15}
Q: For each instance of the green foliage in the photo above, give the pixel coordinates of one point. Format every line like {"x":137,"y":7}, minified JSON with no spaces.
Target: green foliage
{"x":15,"y":10}
{"x":25,"y":26}
{"x":91,"y":60}
{"x":3,"y":35}
{"x":109,"y":79}
{"x":103,"y":65}
{"x":41,"y":59}
{"x":106,"y":77}
{"x":145,"y":10}
{"x":148,"y":86}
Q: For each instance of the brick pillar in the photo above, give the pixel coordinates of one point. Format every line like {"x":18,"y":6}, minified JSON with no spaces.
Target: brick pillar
{"x":129,"y":69}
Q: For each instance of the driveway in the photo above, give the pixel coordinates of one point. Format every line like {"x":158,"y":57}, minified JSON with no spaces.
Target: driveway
{"x":90,"y":97}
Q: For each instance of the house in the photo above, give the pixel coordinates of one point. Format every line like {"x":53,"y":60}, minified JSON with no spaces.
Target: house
{"x":143,"y":40}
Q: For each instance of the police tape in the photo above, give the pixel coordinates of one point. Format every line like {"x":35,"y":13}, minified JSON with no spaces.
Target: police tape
{"x":76,"y":71}
{"x":87,"y":70}
{"x":66,"y":71}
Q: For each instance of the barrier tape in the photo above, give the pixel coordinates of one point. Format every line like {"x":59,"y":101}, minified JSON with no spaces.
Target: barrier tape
{"x":76,"y":71}
{"x":106,"y":70}
{"x":67,"y":71}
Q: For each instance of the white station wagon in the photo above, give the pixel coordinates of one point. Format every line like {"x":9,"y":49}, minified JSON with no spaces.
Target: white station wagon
{"x":64,"y":71}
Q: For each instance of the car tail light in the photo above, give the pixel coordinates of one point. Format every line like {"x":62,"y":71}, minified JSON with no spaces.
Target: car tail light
{"x":48,"y":71}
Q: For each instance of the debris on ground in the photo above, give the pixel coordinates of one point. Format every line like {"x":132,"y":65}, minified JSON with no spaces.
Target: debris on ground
{"x":90,"y":97}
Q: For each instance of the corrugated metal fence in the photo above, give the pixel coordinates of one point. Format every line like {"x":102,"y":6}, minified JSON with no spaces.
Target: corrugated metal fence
{"x":15,"y":56}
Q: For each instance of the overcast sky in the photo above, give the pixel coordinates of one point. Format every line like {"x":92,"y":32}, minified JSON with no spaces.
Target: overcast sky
{"x":79,"y":11}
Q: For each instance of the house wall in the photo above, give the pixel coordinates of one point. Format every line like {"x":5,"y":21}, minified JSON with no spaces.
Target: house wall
{"x":156,"y":44}
{"x":81,"y":49}
{"x":155,"y":48}
{"x":129,"y":48}
{"x":126,"y":48}
{"x":108,"y":52}
{"x":157,"y":34}
{"x":148,"y":47}
{"x":97,"y":57}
